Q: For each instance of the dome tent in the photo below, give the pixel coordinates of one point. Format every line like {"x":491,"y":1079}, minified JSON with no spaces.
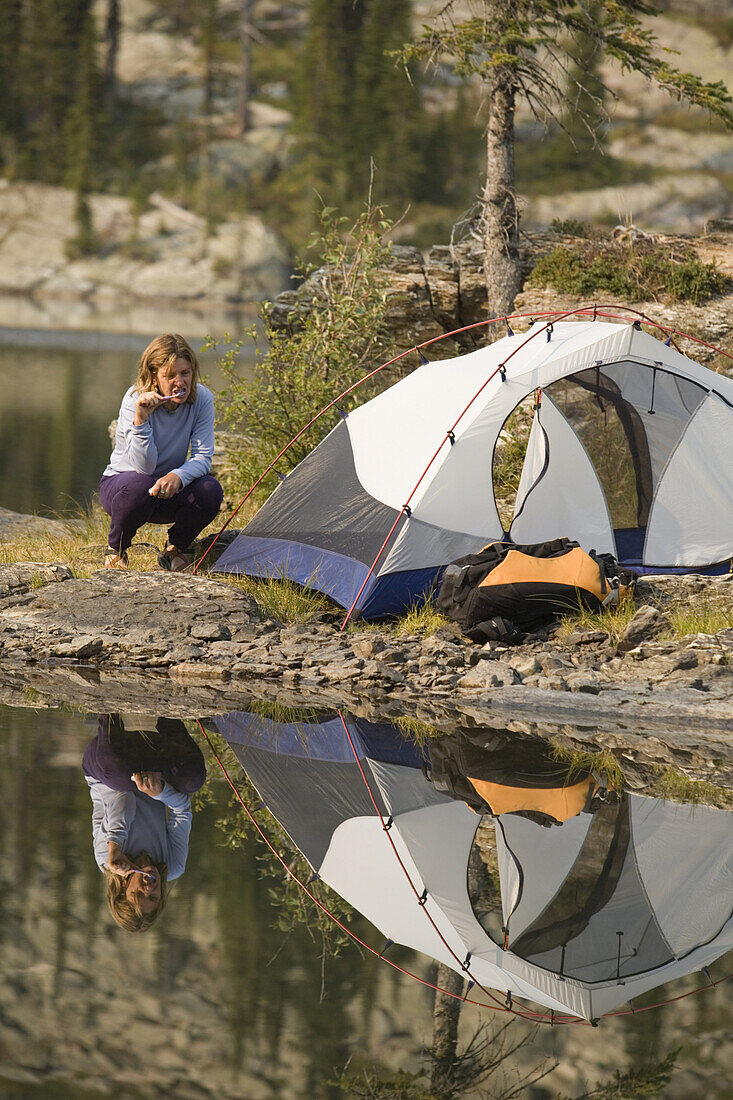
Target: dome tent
{"x":595,"y":911}
{"x":630,"y":453}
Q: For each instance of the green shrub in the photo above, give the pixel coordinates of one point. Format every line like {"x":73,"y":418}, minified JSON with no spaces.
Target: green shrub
{"x":570,"y":227}
{"x":640,"y":271}
{"x":333,"y":336}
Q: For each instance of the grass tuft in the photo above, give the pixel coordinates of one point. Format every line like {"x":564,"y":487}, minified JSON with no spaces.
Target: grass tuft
{"x":423,"y":619}
{"x":701,"y":618}
{"x":80,"y":545}
{"x":274,"y":711}
{"x":677,"y":787}
{"x":282,"y":600}
{"x":416,"y":730}
{"x":611,"y":620}
{"x":600,"y":761}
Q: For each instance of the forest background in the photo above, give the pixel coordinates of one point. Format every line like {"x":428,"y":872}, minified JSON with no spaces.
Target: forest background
{"x":234,"y":107}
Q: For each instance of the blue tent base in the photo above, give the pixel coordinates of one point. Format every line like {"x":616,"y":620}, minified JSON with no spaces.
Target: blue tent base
{"x":630,"y":549}
{"x":335,"y":575}
{"x":718,"y":570}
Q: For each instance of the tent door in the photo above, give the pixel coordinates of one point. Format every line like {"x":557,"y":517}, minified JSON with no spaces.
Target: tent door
{"x":559,"y":492}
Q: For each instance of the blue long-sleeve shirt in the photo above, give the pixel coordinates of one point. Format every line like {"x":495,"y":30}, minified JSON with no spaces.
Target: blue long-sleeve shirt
{"x":139,"y":823}
{"x":161,"y":444}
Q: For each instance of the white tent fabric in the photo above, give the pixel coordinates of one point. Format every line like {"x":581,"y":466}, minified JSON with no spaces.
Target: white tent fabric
{"x":691,"y":889}
{"x":692,"y":510}
{"x":539,"y":849}
{"x":568,"y":496}
{"x":685,"y":854}
{"x":395,"y":435}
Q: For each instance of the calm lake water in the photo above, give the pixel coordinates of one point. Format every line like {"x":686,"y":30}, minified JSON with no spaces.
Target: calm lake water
{"x":222,"y":998}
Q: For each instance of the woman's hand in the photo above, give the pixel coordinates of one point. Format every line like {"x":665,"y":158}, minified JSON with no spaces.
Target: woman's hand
{"x":166,"y":486}
{"x":117,"y":862}
{"x":148,"y":782}
{"x":145,"y":404}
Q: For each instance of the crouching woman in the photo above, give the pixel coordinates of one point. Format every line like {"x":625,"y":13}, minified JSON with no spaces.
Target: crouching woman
{"x":151,"y":476}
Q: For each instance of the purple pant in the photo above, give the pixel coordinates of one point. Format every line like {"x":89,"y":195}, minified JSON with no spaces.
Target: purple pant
{"x":126,"y":499}
{"x":115,"y":753}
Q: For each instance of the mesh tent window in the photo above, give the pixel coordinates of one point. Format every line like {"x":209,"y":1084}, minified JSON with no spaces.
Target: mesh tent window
{"x":629,"y":417}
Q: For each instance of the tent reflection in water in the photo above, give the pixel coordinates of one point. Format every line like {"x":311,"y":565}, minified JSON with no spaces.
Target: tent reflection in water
{"x":596,"y":910}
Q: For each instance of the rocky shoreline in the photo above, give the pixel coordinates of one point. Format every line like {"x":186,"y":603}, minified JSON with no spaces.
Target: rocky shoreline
{"x":190,"y":645}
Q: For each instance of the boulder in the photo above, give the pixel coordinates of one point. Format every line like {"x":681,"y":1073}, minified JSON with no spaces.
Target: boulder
{"x":648,"y":622}
{"x":15,"y":525}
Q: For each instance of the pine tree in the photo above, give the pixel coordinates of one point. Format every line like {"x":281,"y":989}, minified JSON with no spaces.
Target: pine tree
{"x":45,"y":74}
{"x":580,"y":145}
{"x":79,"y":133}
{"x":354,"y":107}
{"x":245,"y":37}
{"x":501,"y":43}
{"x":208,"y":34}
{"x":328,"y":63}
{"x":384,"y":113}
{"x":11,"y":121}
{"x":112,"y":41}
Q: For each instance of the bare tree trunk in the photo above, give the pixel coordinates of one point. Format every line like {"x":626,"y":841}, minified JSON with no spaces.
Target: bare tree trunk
{"x":446,"y":1014}
{"x":112,"y":39}
{"x":500,"y":218}
{"x":243,"y":111}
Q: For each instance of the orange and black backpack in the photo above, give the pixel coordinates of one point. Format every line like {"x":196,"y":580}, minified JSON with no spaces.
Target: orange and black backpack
{"x":507,"y":589}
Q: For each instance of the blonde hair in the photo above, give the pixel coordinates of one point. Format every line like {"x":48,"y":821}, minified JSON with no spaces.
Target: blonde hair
{"x":124,"y":912}
{"x":160,"y":353}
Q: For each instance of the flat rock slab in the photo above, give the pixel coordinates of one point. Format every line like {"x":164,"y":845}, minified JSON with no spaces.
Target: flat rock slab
{"x":18,"y":579}
{"x":15,"y":525}
{"x":118,"y":613}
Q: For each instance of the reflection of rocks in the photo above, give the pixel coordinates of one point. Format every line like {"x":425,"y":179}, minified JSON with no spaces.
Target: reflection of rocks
{"x":188,"y":1010}
{"x":214,"y":1003}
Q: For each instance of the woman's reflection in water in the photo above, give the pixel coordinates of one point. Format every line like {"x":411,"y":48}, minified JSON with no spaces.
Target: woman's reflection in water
{"x":140,"y":784}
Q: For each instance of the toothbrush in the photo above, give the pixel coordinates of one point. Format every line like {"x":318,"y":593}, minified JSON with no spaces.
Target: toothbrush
{"x":145,"y":874}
